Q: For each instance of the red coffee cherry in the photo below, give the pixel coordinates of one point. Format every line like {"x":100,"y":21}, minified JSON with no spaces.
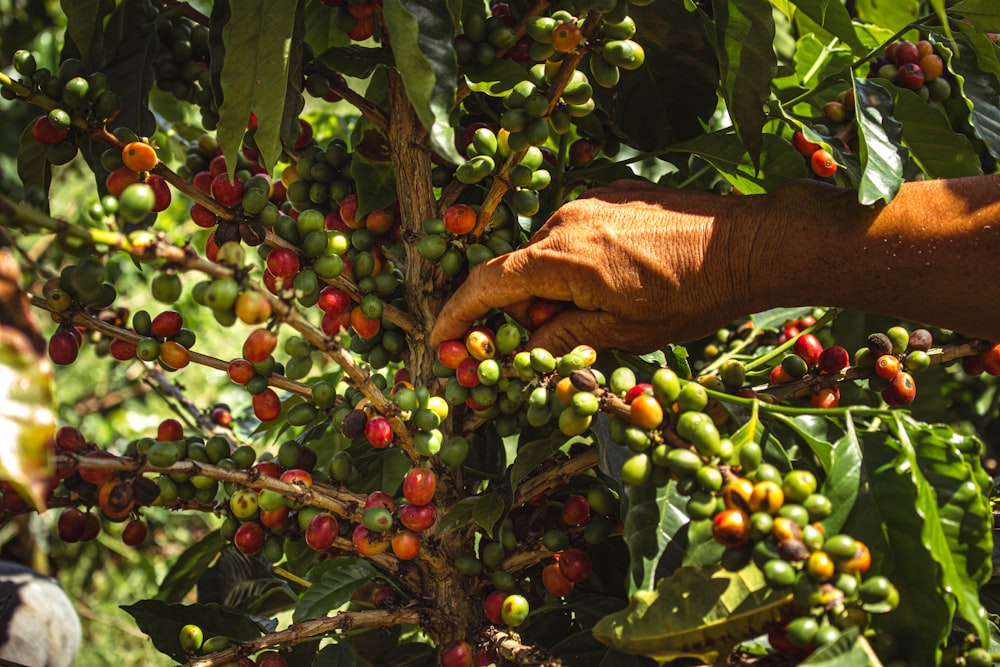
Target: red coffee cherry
{"x":823,"y":164}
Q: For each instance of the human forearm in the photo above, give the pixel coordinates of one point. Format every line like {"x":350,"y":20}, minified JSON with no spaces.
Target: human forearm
{"x":929,"y":256}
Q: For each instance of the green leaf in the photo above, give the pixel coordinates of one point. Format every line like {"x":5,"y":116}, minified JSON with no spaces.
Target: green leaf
{"x":383,"y":470}
{"x":163,"y":623}
{"x":650,"y":525}
{"x":965,"y":515}
{"x":940,"y":152}
{"x":882,"y":152}
{"x":582,"y":649}
{"x":697,"y":612}
{"x":322,"y":31}
{"x":892,"y":15}
{"x":812,"y":431}
{"x":984,"y":14}
{"x":131,"y":47}
{"x":531,"y":454}
{"x":779,"y":161}
{"x":333,"y":581}
{"x":816,"y":60}
{"x":843,"y":481}
{"x":371,"y":168}
{"x":422,"y":44}
{"x":355,"y":60}
{"x":485,"y":511}
{"x":776,"y":317}
{"x":26,"y":418}
{"x":923,"y":564}
{"x":254,"y":76}
{"x":833,"y":17}
{"x":744,"y":31}
{"x":667,"y":99}
{"x":85,"y":27}
{"x":32,"y":167}
{"x":188,"y":568}
{"x":850,"y":650}
{"x":336,"y":655}
{"x":496,"y":78}
{"x":976,"y":71}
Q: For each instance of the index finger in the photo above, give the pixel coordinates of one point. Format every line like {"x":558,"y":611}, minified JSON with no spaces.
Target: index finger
{"x":496,"y":283}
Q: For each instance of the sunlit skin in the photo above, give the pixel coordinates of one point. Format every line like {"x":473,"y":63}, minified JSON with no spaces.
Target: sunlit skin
{"x":647,"y":265}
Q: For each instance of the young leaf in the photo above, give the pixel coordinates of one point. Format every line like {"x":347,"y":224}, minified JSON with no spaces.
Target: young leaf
{"x":333,"y":581}
{"x":882,"y":152}
{"x":422,"y":33}
{"x":254,"y":75}
{"x":744,"y":30}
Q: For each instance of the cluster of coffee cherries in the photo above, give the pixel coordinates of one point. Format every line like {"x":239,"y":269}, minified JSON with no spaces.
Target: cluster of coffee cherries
{"x":84,"y":287}
{"x":356,"y":19}
{"x":76,"y":91}
{"x":820,"y":160}
{"x":445,"y":239}
{"x":774,"y":521}
{"x":914,"y":66}
{"x":193,"y":642}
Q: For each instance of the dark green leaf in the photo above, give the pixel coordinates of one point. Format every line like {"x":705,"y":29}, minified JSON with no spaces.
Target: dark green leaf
{"x":32,"y":167}
{"x":940,"y":151}
{"x":496,"y":78}
{"x":422,"y":43}
{"x":355,"y":60}
{"x":371,"y":168}
{"x":923,"y":564}
{"x":702,"y":548}
{"x":131,"y":46}
{"x":848,"y":651}
{"x":812,"y":431}
{"x":163,"y":623}
{"x":254,"y":75}
{"x":263,"y":596}
{"x":336,"y":655}
{"x":582,"y":649}
{"x":744,"y":32}
{"x":651,"y":522}
{"x":85,"y":27}
{"x":882,"y":153}
{"x":333,"y":581}
{"x":485,"y":511}
{"x":779,"y":161}
{"x":833,"y":16}
{"x":844,"y":479}
{"x":384,"y":471}
{"x":976,"y":70}
{"x":666,"y":100}
{"x":984,"y":14}
{"x":188,"y":568}
{"x":322,"y":31}
{"x":531,"y":454}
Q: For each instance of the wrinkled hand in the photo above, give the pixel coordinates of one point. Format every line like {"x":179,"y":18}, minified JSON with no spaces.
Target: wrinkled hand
{"x":641,"y":264}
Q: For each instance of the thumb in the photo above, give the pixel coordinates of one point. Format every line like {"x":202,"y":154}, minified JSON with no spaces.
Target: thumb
{"x":600,"y":329}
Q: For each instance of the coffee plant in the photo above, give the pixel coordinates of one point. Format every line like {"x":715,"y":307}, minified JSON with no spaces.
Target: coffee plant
{"x":229,"y":227}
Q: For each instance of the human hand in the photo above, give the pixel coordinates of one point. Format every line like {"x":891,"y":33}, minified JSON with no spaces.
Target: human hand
{"x":640,"y":266}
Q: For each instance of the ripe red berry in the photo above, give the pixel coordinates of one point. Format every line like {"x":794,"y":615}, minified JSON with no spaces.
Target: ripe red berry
{"x":225,"y":192}
{"x":809,"y":348}
{"x":823,"y":164}
{"x":910,"y":76}
{"x":44,"y":133}
{"x":170,"y":430}
{"x":459,"y":219}
{"x":905,"y":52}
{"x":575,"y":510}
{"x":575,"y":565}
{"x":379,"y":433}
{"x":419,"y":485}
{"x":833,"y":359}
{"x":283,"y":262}
{"x":803,"y":145}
